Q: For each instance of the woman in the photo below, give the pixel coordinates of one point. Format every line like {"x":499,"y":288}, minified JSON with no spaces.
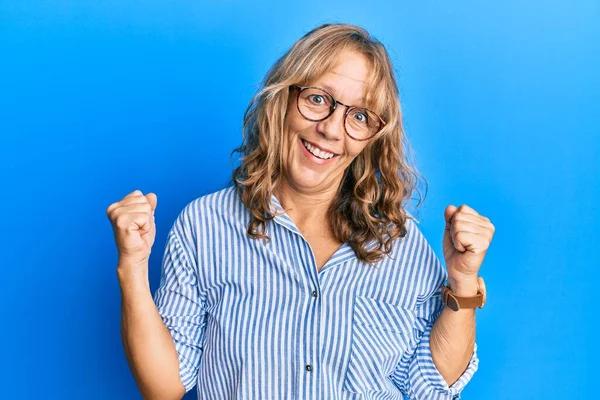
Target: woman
{"x":305,"y":278}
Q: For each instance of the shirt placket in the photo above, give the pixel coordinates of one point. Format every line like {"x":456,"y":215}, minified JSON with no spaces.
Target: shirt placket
{"x":308,"y":356}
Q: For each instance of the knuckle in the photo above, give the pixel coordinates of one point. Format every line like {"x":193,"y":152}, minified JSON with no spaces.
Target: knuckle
{"x":122,"y":221}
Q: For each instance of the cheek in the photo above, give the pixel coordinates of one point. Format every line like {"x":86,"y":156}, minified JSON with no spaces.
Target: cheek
{"x":295,"y":123}
{"x":293,"y":127}
{"x":354,"y":148}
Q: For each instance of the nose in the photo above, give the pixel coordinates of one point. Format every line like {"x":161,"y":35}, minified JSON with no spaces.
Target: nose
{"x":332,"y":127}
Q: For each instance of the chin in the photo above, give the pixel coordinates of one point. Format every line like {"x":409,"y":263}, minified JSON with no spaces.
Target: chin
{"x":306,"y":179}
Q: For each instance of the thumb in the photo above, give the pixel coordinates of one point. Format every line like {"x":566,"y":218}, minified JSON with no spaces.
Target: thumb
{"x":448,"y":214}
{"x":153,"y":200}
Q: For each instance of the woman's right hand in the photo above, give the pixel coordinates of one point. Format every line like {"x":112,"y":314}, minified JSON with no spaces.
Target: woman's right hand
{"x":132,"y":219}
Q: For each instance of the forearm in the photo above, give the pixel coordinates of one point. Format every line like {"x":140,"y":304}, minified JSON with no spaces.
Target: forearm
{"x":452,"y":337}
{"x":148,"y":345}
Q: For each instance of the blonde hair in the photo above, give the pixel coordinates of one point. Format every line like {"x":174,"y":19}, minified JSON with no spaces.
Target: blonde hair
{"x":369,"y":204}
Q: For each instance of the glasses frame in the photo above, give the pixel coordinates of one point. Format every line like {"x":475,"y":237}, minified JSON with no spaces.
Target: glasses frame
{"x":300,"y":89}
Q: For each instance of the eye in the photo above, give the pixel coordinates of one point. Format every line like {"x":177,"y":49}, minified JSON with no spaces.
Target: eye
{"x":317,"y":99}
{"x":361,"y":117}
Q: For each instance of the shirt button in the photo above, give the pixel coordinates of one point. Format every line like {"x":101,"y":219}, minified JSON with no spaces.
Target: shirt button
{"x":309,"y":367}
{"x":314,"y":293}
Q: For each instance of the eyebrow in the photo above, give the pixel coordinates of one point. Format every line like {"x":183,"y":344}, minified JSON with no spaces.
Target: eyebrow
{"x":332,"y":91}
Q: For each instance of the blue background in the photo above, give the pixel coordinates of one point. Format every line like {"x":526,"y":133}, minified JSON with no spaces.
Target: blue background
{"x":97,"y":99}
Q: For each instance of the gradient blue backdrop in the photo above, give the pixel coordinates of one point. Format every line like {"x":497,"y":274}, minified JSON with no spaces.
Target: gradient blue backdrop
{"x":100,"y":98}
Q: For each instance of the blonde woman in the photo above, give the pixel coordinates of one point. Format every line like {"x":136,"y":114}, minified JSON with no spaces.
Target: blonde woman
{"x":306,"y":278}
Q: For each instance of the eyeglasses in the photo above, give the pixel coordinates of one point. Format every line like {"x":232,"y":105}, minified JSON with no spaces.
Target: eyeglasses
{"x":316,"y":104}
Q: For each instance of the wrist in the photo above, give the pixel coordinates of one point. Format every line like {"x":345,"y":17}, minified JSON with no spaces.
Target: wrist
{"x":463,"y":286}
{"x":131,"y":276}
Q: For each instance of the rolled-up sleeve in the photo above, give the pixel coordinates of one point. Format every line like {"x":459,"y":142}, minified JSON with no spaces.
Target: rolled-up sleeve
{"x":424,"y":380}
{"x":416,"y":375}
{"x":179,"y":302}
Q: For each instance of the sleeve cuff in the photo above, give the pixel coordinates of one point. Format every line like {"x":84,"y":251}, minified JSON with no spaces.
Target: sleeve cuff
{"x":432,"y":385}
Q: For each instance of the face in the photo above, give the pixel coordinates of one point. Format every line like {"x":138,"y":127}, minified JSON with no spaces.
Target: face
{"x":306,"y":172}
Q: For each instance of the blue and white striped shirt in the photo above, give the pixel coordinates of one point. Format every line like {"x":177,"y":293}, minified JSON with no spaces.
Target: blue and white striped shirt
{"x":256,"y":320}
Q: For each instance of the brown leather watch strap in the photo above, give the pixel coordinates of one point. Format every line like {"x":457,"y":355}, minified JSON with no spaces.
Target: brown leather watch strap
{"x":456,"y":302}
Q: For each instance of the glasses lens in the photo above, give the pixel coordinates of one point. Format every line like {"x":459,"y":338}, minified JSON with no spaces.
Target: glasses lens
{"x":362,"y":123}
{"x":314,"y":103}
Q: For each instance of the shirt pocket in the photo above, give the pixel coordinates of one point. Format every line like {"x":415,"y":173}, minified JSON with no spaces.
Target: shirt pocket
{"x":381,"y":333}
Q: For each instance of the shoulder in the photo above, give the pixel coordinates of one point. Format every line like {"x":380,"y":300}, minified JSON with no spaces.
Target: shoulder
{"x":215,"y":200}
{"x":201,"y":217}
{"x":223,"y":202}
{"x":210,"y":209}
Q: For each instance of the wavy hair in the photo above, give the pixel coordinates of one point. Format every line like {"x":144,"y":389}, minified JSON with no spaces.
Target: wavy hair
{"x":369,"y":206}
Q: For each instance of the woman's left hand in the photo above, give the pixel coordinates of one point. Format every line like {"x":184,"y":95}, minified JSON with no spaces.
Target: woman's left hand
{"x":467,"y":236}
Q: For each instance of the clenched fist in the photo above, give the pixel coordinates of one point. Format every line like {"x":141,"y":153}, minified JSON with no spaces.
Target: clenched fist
{"x":132,"y":219}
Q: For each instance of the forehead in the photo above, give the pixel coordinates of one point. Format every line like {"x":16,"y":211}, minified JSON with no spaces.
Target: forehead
{"x":347,"y":79}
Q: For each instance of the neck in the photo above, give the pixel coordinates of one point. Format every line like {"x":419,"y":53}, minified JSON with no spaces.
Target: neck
{"x":304,"y":208}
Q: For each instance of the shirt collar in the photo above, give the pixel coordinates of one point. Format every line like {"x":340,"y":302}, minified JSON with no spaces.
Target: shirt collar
{"x":283,"y":219}
{"x":344,"y":253}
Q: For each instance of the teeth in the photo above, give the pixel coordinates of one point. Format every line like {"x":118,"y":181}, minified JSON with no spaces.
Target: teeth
{"x":317,"y":152}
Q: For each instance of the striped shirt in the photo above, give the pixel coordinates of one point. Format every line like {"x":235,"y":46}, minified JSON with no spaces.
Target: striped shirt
{"x":253,"y":319}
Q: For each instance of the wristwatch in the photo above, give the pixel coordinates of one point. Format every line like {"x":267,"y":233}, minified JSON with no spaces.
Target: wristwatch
{"x":457,"y":303}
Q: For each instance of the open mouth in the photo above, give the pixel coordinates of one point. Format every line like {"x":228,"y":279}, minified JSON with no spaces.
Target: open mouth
{"x":318,"y":153}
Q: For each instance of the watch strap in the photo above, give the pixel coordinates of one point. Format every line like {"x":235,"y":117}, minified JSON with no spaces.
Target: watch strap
{"x":457,"y":302}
